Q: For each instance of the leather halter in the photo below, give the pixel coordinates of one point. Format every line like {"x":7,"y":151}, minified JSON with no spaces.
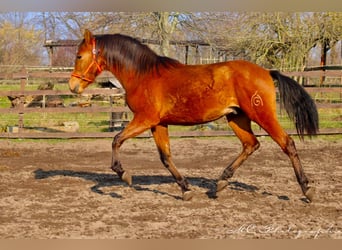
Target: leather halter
{"x":82,"y":76}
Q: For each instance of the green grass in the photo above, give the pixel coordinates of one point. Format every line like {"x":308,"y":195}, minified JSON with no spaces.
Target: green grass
{"x":330,"y":97}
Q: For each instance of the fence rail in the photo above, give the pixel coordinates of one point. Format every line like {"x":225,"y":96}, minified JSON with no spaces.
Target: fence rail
{"x":22,"y":111}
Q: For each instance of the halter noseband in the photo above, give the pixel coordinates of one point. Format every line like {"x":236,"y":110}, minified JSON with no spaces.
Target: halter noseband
{"x":82,"y":77}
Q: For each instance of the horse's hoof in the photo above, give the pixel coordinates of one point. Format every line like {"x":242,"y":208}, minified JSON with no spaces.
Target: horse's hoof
{"x":126,"y":177}
{"x":188,"y":195}
{"x":309,"y":194}
{"x":221,"y":184}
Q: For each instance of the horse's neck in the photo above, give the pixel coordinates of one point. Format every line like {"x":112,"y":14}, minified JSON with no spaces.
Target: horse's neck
{"x":128,"y":80}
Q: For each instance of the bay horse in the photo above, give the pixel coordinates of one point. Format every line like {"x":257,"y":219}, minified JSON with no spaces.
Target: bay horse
{"x":161,"y":91}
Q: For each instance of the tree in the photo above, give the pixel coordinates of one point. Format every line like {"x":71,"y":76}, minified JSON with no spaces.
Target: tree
{"x":167,"y":23}
{"x":273,"y":40}
{"x":20,"y":43}
{"x":328,"y":31}
{"x":150,"y":25}
{"x":221,"y":30}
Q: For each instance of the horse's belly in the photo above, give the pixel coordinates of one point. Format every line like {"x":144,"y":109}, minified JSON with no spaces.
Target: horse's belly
{"x":195,"y":114}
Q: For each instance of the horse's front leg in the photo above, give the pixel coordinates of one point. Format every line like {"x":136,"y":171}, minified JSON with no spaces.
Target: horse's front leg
{"x":134,"y":128}
{"x":161,"y":138}
{"x":116,"y":164}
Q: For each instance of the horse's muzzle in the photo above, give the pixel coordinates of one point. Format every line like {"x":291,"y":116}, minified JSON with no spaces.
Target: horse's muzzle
{"x":74,"y":85}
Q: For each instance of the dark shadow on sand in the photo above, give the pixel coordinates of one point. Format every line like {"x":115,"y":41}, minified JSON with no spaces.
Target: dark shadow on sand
{"x":141,"y":182}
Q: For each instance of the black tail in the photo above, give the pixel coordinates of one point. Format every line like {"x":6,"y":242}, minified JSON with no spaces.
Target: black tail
{"x":298,"y":104}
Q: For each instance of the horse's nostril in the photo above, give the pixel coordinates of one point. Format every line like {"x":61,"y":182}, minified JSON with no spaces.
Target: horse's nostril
{"x":75,"y":89}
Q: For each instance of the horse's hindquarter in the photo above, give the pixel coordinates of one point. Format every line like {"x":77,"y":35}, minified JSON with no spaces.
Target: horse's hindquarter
{"x":255,"y":90}
{"x":196,"y":94}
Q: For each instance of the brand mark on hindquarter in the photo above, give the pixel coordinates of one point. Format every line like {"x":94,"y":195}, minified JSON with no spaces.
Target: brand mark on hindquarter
{"x":256,"y":100}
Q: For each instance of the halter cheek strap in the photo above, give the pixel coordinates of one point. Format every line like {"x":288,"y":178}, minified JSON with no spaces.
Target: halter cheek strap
{"x":83,"y":77}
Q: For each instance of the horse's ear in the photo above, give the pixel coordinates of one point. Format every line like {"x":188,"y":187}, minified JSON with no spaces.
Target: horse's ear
{"x":88,"y":36}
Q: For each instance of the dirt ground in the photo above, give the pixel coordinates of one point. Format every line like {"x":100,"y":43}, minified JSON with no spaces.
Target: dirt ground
{"x":65,"y":189}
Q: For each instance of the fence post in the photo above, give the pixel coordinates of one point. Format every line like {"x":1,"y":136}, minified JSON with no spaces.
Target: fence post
{"x":23,"y":81}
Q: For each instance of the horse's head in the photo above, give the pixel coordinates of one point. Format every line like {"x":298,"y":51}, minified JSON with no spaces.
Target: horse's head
{"x":88,"y":64}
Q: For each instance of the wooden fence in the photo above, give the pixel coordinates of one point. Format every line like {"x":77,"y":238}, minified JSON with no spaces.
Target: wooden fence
{"x":21,"y":111}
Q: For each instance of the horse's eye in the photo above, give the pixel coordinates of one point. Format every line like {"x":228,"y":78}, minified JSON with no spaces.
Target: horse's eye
{"x":79,"y":57}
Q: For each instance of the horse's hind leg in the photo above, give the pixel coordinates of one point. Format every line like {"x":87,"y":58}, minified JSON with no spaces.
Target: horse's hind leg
{"x":287,"y":144}
{"x":161,"y":138}
{"x":241,"y":125}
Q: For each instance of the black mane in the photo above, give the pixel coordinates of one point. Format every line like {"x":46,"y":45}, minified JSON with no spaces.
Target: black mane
{"x":125,"y":52}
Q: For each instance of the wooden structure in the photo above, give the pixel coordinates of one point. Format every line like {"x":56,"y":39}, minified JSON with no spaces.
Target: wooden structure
{"x":21,"y":111}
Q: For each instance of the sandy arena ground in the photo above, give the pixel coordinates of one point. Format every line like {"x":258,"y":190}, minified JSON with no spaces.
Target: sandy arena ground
{"x":65,"y":189}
